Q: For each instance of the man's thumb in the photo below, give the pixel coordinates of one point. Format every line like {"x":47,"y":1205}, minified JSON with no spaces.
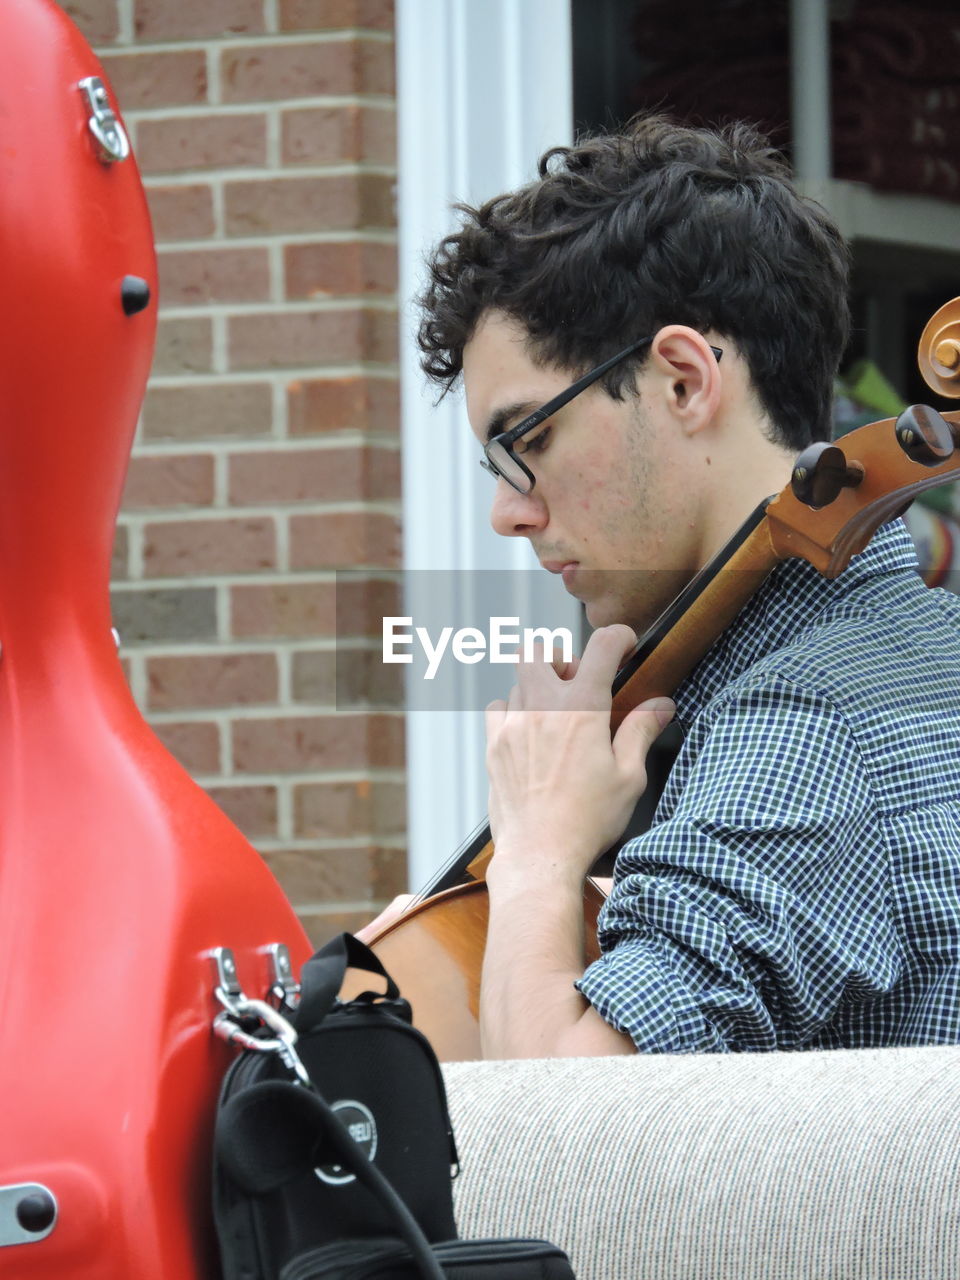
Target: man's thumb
{"x":644,"y":725}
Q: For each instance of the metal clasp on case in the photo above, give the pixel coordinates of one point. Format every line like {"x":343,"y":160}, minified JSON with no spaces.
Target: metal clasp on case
{"x":110,"y":134}
{"x":28,"y":1213}
{"x":284,"y":990}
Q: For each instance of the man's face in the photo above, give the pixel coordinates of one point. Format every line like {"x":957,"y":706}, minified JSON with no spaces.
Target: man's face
{"x":609,"y":511}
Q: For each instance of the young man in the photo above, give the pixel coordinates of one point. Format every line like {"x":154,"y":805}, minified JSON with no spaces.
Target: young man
{"x":800,"y":885}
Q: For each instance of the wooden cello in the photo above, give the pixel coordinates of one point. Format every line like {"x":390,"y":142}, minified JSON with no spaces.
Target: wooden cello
{"x":119,"y":878}
{"x":839,"y":495}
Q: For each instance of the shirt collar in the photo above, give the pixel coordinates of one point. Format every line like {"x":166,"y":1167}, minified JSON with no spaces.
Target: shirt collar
{"x":792,"y":596}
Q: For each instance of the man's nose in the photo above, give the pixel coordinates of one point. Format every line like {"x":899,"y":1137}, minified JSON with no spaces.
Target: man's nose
{"x":516,"y":515}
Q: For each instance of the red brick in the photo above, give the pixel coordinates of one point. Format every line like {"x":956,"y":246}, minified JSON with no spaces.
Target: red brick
{"x":147,"y":79}
{"x":184,"y":547}
{"x":214,"y":411}
{"x":346,"y":678}
{"x":184,"y":346}
{"x":161,"y":20}
{"x":311,"y":876}
{"x":165,"y":614}
{"x":170,"y":481}
{"x":252,"y":808}
{"x":201,"y":142}
{"x":211,"y":680}
{"x":319,"y":405}
{"x":356,"y":677}
{"x":302,"y":744}
{"x":315,"y":15}
{"x":278,"y":339}
{"x":195,"y":743}
{"x":306,"y":69}
{"x":344,"y":539}
{"x":333,"y":202}
{"x":181,"y":212}
{"x":330,"y":135}
{"x":284,"y":609}
{"x":335,"y":809}
{"x":316,"y":681}
{"x":362,"y":604}
{"x":314,"y":475}
{"x":120,"y":559}
{"x":324,"y":270}
{"x":353,"y":606}
{"x":201,"y":276}
{"x":97,"y":19}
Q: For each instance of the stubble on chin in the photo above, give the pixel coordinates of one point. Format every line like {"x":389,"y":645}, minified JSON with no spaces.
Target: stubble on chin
{"x":637,"y":600}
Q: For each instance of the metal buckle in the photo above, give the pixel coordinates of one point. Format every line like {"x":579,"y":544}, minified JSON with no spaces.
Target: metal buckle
{"x":284,"y":990}
{"x":103,"y":123}
{"x":228,"y":987}
{"x":242,"y":1016}
{"x":227,"y":1026}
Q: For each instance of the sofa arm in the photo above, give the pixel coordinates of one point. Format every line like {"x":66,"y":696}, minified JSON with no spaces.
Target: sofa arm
{"x":840,"y":1165}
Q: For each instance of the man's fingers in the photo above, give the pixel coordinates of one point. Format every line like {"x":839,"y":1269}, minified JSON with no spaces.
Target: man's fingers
{"x":604,"y":652}
{"x":640,"y":729}
{"x":615,"y":642}
{"x":589,"y":678}
{"x":565,"y":670}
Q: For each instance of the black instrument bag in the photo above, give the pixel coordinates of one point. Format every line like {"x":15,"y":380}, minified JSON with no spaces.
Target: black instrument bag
{"x":333,"y":1149}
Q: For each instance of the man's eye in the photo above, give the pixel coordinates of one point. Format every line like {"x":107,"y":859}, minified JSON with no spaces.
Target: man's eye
{"x":533,"y":444}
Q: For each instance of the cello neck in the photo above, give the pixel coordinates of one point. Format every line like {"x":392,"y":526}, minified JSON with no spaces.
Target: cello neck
{"x":690,"y":626}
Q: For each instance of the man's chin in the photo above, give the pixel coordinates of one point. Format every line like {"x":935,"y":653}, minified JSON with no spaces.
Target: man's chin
{"x":605,"y":612}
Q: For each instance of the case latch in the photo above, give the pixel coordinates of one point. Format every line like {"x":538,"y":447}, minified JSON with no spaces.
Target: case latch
{"x":104,"y":124}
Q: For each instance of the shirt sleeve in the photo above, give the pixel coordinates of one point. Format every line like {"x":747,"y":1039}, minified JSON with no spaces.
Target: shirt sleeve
{"x":756,"y":905}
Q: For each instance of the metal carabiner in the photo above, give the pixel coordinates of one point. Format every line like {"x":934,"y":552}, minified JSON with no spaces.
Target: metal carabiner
{"x":227,"y":1026}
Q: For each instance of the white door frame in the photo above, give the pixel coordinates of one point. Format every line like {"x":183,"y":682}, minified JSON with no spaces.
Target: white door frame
{"x":484,"y":86}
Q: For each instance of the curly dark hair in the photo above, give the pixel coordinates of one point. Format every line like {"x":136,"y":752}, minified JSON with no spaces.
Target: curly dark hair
{"x":661,"y":224}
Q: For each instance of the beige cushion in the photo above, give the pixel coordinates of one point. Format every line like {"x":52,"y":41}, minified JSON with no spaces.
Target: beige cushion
{"x":805,"y":1166}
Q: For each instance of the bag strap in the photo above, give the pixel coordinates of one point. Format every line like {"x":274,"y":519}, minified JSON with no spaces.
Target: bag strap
{"x":323,"y":974}
{"x":272,"y":1131}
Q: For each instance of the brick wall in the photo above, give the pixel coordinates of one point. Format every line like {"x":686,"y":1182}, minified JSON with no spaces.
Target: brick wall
{"x":267,"y":457}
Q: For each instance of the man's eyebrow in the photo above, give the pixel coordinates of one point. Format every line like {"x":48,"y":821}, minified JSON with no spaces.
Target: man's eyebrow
{"x":497,"y":422}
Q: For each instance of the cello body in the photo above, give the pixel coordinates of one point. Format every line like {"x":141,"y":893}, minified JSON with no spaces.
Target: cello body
{"x":118,"y":876}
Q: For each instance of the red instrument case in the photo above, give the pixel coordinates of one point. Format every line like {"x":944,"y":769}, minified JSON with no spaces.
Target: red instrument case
{"x":118,"y":876}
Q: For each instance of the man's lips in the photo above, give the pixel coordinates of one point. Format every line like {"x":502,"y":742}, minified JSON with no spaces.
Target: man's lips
{"x":565,"y":567}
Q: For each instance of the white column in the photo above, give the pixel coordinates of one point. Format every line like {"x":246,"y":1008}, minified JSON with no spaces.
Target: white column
{"x":810,"y":91}
{"x":484,"y":86}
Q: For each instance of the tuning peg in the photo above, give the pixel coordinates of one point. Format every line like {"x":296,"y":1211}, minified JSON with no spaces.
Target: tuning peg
{"x":924,"y":435}
{"x":820,"y":472}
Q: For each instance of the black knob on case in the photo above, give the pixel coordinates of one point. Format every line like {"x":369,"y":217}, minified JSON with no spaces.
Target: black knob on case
{"x":36,"y":1211}
{"x":134,"y":295}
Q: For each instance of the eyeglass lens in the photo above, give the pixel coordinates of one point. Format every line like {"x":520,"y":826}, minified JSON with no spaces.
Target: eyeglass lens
{"x":503,"y":462}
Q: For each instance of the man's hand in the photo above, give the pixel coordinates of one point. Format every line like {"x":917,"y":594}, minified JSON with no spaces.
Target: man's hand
{"x":561,"y":792}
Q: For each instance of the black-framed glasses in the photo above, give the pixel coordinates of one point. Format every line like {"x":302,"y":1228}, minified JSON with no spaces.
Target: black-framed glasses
{"x":499,"y":458}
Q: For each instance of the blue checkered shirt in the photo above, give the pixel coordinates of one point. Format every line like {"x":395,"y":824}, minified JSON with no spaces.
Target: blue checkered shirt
{"x":800,"y":885}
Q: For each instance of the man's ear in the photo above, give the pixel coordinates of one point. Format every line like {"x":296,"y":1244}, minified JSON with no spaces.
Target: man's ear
{"x":690,"y":379}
